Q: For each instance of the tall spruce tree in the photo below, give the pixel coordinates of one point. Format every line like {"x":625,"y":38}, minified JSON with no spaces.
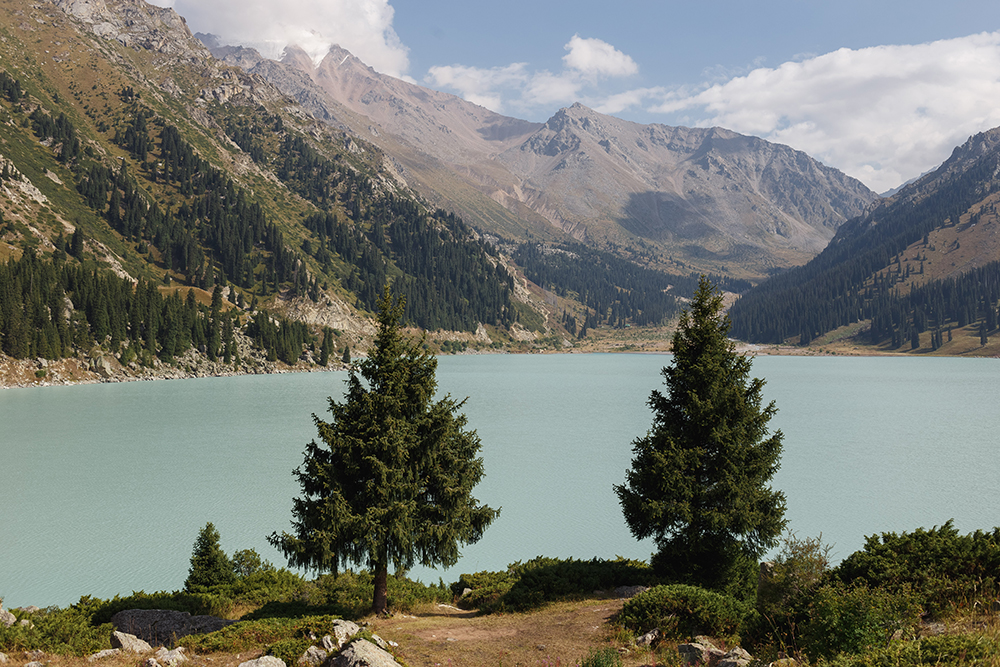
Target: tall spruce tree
{"x":391,"y":480}
{"x":699,"y":478}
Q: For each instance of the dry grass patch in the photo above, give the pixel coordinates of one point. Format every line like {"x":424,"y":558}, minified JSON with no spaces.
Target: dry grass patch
{"x":561,"y":633}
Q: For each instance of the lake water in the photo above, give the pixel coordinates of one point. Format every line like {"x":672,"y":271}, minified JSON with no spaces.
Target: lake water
{"x":103,"y":488}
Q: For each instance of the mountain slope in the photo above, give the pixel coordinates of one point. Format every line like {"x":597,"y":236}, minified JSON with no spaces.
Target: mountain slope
{"x":711,"y":199}
{"x":927,"y":258}
{"x":126,"y":146}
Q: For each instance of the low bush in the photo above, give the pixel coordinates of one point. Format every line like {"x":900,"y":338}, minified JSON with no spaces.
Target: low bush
{"x":944,"y":569}
{"x":62,"y":631}
{"x":529,"y":585}
{"x":965,"y":649}
{"x":855,"y":619}
{"x":681,"y":611}
{"x":605,"y":657}
{"x":283,"y":635}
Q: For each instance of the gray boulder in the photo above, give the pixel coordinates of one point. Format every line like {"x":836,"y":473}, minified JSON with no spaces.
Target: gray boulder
{"x":161,"y":627}
{"x":342,"y":633}
{"x":6,"y":618}
{"x":314,"y":656}
{"x":174,"y":657}
{"x":130,"y":643}
{"x":735,"y":658}
{"x":699,"y":653}
{"x":362,"y":653}
{"x":3,"y":658}
{"x":264,"y":661}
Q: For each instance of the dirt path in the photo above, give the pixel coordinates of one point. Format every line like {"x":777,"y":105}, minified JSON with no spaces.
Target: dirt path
{"x":560,"y":634}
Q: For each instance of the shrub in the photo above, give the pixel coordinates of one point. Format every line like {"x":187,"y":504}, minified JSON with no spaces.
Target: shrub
{"x":209,"y":564}
{"x":682,"y":611}
{"x":605,"y":657}
{"x":785,"y":591}
{"x":525,"y":586}
{"x":269,"y":632}
{"x":855,"y":619}
{"x":62,"y":631}
{"x":942,"y":568}
{"x":966,"y":649}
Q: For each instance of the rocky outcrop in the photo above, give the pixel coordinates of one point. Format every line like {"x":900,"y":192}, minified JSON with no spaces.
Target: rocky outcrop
{"x":6,"y":618}
{"x":163,"y":627}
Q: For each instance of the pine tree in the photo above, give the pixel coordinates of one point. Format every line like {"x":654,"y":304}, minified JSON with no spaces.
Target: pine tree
{"x":699,"y":479}
{"x":209,"y":564}
{"x":392,"y":479}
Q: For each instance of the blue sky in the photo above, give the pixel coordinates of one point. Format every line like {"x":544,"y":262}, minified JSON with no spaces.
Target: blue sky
{"x":882,"y":90}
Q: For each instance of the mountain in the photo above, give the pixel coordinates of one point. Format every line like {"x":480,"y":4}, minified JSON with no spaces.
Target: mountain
{"x":923,"y":262}
{"x":677,"y":198}
{"x":154,"y":200}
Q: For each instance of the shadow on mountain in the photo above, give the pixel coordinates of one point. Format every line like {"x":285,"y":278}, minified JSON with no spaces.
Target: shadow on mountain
{"x":660,"y":216}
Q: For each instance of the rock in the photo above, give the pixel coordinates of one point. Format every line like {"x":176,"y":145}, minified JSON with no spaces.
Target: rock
{"x":264,"y":661}
{"x":174,"y":657}
{"x":313,"y":656}
{"x":361,"y":653}
{"x":6,"y":618}
{"x":130,"y":643}
{"x":3,"y":658}
{"x":163,"y":627}
{"x":737,"y":657}
{"x":30,"y":609}
{"x":106,"y":653}
{"x":649,"y":638}
{"x":34,"y":663}
{"x":342,"y":633}
{"x":699,"y":653}
{"x":150,"y":662}
{"x":784,"y":662}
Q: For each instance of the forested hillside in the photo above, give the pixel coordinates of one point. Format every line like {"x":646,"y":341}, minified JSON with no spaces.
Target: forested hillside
{"x":922,"y":262}
{"x":113,"y":173}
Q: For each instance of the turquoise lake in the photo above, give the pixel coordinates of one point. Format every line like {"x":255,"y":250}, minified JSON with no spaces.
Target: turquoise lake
{"x":103,"y":488}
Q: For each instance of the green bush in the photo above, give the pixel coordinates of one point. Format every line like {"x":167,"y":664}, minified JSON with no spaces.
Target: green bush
{"x":965,"y":649}
{"x":604,"y":657}
{"x":942,"y":568}
{"x":61,"y":631}
{"x":529,"y":585}
{"x":268,"y":632}
{"x":785,"y":591}
{"x":681,"y":611}
{"x":855,"y":619}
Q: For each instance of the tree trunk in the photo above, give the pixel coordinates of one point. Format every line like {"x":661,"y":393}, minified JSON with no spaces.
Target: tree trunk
{"x":381,"y":589}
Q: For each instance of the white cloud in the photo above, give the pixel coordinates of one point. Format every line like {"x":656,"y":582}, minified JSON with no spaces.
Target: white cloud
{"x":595,"y":57}
{"x":478,"y":85}
{"x":363,"y":27}
{"x":882,"y":114}
{"x":516,"y":86}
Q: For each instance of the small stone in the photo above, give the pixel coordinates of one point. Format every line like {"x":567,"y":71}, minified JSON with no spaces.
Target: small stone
{"x":649,"y":638}
{"x":3,"y":658}
{"x":106,"y":653}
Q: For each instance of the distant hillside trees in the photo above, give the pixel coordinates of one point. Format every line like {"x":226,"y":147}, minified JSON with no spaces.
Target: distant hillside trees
{"x":855,"y":278}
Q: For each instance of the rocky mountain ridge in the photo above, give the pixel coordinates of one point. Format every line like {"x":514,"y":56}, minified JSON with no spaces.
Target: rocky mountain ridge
{"x":682,"y":198}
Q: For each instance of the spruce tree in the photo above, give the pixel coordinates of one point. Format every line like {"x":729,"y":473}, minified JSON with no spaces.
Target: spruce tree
{"x":209,"y":564}
{"x":391,"y":480}
{"x":699,"y":478}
